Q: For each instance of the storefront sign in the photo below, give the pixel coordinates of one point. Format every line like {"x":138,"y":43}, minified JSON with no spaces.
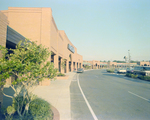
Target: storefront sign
{"x":71,"y":48}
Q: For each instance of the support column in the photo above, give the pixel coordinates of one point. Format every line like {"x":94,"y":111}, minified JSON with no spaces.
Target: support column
{"x":75,"y":66}
{"x":62,"y":67}
{"x":67,"y":66}
{"x":56,"y":61}
{"x":71,"y":66}
{"x":59,"y":64}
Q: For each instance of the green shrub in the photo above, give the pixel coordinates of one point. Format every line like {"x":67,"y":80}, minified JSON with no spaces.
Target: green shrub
{"x":40,"y":109}
{"x":128,"y":74}
{"x":7,"y":113}
{"x":21,"y":102}
{"x":60,"y":74}
{"x":131,"y":75}
{"x":144,"y":77}
{"x":134,"y":76}
{"x":87,"y":67}
{"x":110,"y":70}
{"x":140,"y":77}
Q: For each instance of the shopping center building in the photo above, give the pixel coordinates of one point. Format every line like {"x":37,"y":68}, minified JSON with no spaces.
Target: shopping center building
{"x":37,"y":24}
{"x":94,"y":64}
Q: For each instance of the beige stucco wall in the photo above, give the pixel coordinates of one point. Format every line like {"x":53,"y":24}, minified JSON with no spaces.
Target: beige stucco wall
{"x":38,"y":24}
{"x":60,"y":45}
{"x":144,"y":63}
{"x":20,"y":20}
{"x":54,"y":36}
{"x":3,"y":33}
{"x":3,"y":28}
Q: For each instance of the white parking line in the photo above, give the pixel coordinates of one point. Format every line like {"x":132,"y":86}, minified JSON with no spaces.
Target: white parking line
{"x":138,"y":96}
{"x":92,"y":112}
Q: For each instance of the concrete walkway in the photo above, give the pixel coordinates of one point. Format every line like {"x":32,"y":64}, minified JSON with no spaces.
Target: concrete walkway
{"x":58,"y":95}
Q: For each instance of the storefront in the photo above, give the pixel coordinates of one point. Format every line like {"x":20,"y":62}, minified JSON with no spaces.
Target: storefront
{"x":38,"y":24}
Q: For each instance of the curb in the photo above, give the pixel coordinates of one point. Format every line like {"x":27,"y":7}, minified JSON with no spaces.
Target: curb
{"x":56,"y":113}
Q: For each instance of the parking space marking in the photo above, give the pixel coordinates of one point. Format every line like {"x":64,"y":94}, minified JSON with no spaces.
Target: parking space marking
{"x":96,"y":76}
{"x":90,"y":108}
{"x":138,"y":96}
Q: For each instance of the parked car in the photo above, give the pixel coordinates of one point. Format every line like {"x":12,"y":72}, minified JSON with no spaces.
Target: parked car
{"x":130,"y":70}
{"x":80,"y":70}
{"x":142,"y":70}
{"x":121,"y":70}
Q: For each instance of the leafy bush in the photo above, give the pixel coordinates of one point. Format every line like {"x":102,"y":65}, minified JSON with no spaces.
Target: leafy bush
{"x":128,"y":74}
{"x":28,"y":63}
{"x":131,"y":75}
{"x":144,"y":77}
{"x":7,"y":113}
{"x":60,"y":74}
{"x":134,"y":76}
{"x":40,"y":109}
{"x":110,"y":70}
{"x":19,"y":102}
{"x":87,"y":67}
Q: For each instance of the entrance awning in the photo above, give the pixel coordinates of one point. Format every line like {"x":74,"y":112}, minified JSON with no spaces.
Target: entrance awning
{"x":13,"y":38}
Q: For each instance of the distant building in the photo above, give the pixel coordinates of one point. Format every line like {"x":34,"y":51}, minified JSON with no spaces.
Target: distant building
{"x":38,"y":24}
{"x":142,"y":63}
{"x":98,"y":65}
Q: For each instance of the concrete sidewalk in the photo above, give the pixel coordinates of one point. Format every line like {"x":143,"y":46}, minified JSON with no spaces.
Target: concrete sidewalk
{"x":58,"y":95}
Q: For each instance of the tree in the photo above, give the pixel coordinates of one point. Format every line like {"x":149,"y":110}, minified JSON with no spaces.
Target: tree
{"x":63,"y":63}
{"x":28,"y":62}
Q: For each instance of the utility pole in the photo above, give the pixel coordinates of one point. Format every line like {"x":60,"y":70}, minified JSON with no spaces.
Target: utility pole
{"x":125,"y":57}
{"x":129,"y":57}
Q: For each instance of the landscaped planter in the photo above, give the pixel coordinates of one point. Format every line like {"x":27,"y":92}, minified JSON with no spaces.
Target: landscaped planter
{"x":56,"y":115}
{"x":62,"y":77}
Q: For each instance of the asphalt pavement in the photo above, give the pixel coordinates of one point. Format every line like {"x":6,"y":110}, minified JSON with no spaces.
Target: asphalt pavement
{"x":104,"y":96}
{"x":111,"y":97}
{"x":58,"y":95}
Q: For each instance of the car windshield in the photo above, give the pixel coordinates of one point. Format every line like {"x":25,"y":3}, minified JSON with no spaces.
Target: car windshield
{"x":80,"y":69}
{"x":146,"y":68}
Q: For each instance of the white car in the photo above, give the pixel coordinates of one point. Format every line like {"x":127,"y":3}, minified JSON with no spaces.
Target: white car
{"x":122,"y":70}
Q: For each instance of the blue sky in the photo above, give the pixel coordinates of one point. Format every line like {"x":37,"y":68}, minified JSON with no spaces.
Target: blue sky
{"x":100,"y":29}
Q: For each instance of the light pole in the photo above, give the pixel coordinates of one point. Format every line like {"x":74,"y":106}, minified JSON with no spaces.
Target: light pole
{"x":125,"y":57}
{"x":129,"y":57}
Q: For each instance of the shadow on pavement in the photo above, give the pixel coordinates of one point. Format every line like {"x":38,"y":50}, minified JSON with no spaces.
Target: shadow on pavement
{"x":7,"y":100}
